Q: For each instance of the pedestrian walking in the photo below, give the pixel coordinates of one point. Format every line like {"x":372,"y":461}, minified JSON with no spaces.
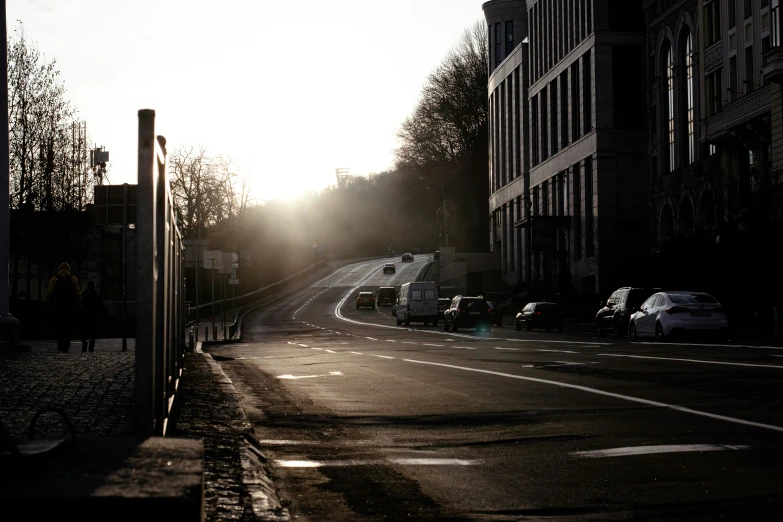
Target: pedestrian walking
{"x":92,"y":308}
{"x":64,"y":296}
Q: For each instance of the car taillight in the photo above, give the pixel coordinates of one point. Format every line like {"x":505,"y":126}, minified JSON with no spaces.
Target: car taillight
{"x":677,"y":310}
{"x":537,"y":313}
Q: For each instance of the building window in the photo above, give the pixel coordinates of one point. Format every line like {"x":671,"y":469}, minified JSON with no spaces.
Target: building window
{"x":534,"y":128}
{"x":589,"y":16}
{"x":489,"y":54}
{"x":498,"y":40}
{"x":689,"y":93}
{"x":576,"y":181}
{"x":749,"y":70}
{"x":589,"y":232}
{"x":563,"y":83}
{"x":553,"y":98}
{"x":731,"y":13}
{"x":747,"y":8}
{"x":544,"y":124}
{"x":587,"y":93}
{"x":576,"y":128}
{"x":670,"y":104}
{"x":712,"y":23}
{"x":509,"y":37}
{"x":714,"y":92}
{"x":775,"y":22}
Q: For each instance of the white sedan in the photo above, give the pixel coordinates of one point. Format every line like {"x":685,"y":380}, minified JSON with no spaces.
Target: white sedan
{"x":667,"y":313}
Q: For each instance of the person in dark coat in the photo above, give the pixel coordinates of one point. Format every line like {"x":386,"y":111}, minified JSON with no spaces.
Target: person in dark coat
{"x":64,"y":296}
{"x":92,"y":307}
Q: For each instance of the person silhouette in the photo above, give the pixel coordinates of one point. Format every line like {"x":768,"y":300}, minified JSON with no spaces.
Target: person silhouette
{"x":64,"y":296}
{"x":91,"y":308}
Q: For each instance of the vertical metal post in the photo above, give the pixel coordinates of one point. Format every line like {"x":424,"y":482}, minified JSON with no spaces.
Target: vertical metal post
{"x":124,"y":267}
{"x":198,"y":272}
{"x":6,"y":319}
{"x":222,"y":305}
{"x":213,"y":295}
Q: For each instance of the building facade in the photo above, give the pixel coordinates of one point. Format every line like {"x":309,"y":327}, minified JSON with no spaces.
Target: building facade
{"x":568,"y":142}
{"x":710,"y":118}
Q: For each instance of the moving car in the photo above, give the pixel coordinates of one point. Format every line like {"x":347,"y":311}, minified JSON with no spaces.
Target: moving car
{"x":615,"y":314}
{"x":365,"y":300}
{"x":665,"y":314}
{"x":386,"y":296}
{"x":407,"y":257}
{"x":495,"y":314}
{"x":389,"y":268}
{"x":418,"y":301}
{"x":467,"y":312}
{"x":540,"y":315}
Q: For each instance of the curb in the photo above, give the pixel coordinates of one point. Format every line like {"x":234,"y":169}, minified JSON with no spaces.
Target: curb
{"x":255,"y":473}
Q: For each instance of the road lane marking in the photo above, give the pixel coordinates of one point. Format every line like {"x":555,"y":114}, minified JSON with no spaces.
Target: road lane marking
{"x":304,"y":346}
{"x":595,"y":391}
{"x":719,"y":345}
{"x":652,"y":450}
{"x":691,"y":360}
{"x":557,"y":351}
{"x":464,"y":347}
{"x":561,"y":342}
{"x":358,"y":462}
{"x":510,"y":349}
{"x":295,"y":377}
{"x":438,"y":345}
{"x":371,"y":338}
{"x":408,"y":342}
{"x":330,"y":351}
{"x":381,"y":356}
{"x":390,"y":341}
{"x":321,"y":349}
{"x":357,"y":353}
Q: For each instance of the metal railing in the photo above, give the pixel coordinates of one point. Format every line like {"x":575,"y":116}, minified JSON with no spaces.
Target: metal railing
{"x":160,"y":320}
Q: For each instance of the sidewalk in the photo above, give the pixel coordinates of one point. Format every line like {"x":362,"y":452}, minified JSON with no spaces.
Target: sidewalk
{"x":95,"y":390}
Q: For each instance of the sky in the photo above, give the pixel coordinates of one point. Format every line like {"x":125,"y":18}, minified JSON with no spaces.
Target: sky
{"x":290,"y":91}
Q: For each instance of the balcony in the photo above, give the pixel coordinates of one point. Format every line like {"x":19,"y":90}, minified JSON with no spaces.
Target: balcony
{"x":743,"y":110}
{"x":773,"y":65}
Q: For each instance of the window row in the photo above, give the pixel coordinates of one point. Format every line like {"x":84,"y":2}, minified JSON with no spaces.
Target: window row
{"x":556,"y":27}
{"x":501,"y":43}
{"x":562,"y":112}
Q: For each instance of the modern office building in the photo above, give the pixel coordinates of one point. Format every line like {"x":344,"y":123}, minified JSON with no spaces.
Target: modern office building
{"x":568,"y":141}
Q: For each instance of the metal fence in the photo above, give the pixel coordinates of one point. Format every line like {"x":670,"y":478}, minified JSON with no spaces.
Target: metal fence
{"x":160,"y":320}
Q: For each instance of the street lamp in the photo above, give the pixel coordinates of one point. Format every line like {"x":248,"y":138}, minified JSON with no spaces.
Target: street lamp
{"x":443,"y":208}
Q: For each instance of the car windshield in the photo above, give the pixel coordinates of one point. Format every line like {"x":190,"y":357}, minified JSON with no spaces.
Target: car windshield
{"x":692,"y":299}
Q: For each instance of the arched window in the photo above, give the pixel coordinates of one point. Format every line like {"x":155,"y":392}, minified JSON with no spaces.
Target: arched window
{"x":670,"y":104}
{"x":690,"y":145}
{"x":686,"y":217}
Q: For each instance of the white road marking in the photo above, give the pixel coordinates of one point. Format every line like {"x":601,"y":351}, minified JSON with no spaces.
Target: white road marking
{"x":560,"y":342}
{"x":438,"y":345}
{"x":371,"y":338}
{"x":464,"y":347}
{"x":408,"y":342}
{"x":510,"y":349}
{"x":357,"y":353}
{"x":721,"y":345}
{"x":357,"y":462}
{"x":381,"y":356}
{"x":651,"y":450}
{"x":450,"y":340}
{"x":330,"y":351}
{"x":390,"y":341}
{"x":304,"y":346}
{"x":692,"y":360}
{"x":557,"y":351}
{"x":610,"y":394}
{"x":294,"y":377}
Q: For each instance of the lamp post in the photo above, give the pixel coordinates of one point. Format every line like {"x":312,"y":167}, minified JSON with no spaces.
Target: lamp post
{"x":445,"y":216}
{"x":7,"y":321}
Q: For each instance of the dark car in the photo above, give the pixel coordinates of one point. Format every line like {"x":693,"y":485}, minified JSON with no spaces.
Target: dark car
{"x":467,"y":312}
{"x":495,"y":313}
{"x":365,"y":300}
{"x":540,"y":315}
{"x":443,"y":304}
{"x":407,"y":257}
{"x":616,"y":312}
{"x":387,"y":295}
{"x":388,"y":268}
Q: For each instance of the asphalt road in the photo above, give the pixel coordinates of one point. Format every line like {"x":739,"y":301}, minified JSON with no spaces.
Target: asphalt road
{"x":364,"y":420}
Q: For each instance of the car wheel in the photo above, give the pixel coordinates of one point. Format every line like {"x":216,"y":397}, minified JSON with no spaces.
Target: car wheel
{"x":632,"y":333}
{"x":618,"y":331}
{"x":659,"y":333}
{"x":518,"y":326}
{"x":398,"y":321}
{"x":445,"y":325}
{"x":453,"y":325}
{"x":407,"y":320}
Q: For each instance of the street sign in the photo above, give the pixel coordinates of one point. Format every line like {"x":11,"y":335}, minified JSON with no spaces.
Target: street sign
{"x":235,"y":265}
{"x":233,"y":281}
{"x":225,"y":266}
{"x":244,"y":258}
{"x":213,"y":259}
{"x":194,"y":247}
{"x":233,"y":273}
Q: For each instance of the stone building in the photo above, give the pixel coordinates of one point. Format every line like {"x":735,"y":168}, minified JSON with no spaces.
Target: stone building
{"x":568,"y":142}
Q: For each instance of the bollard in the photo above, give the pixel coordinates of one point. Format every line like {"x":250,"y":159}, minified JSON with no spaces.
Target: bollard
{"x":206,"y":333}
{"x":195,"y":333}
{"x":191,"y":340}
{"x":214,"y":333}
{"x":224,"y":332}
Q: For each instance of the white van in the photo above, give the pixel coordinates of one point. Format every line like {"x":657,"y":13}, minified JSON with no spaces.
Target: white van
{"x":418,"y":301}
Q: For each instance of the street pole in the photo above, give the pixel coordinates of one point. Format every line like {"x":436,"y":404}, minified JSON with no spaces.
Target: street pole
{"x":445,"y":224}
{"x":222,"y":305}
{"x":214,"y":333}
{"x":198,"y":272}
{"x":124,"y":267}
{"x":7,"y":321}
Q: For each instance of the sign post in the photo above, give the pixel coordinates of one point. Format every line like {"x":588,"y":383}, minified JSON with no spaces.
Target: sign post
{"x":212,"y":261}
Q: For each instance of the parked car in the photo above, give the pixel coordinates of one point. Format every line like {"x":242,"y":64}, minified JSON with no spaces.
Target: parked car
{"x":616,"y":312}
{"x":443,"y":304}
{"x":365,"y":300}
{"x":386,"y":296}
{"x":540,"y":315}
{"x":665,"y":314}
{"x":388,"y":268}
{"x":467,"y":312}
{"x":436,"y":256}
{"x":418,"y":301}
{"x":407,"y":257}
{"x":495,"y":314}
